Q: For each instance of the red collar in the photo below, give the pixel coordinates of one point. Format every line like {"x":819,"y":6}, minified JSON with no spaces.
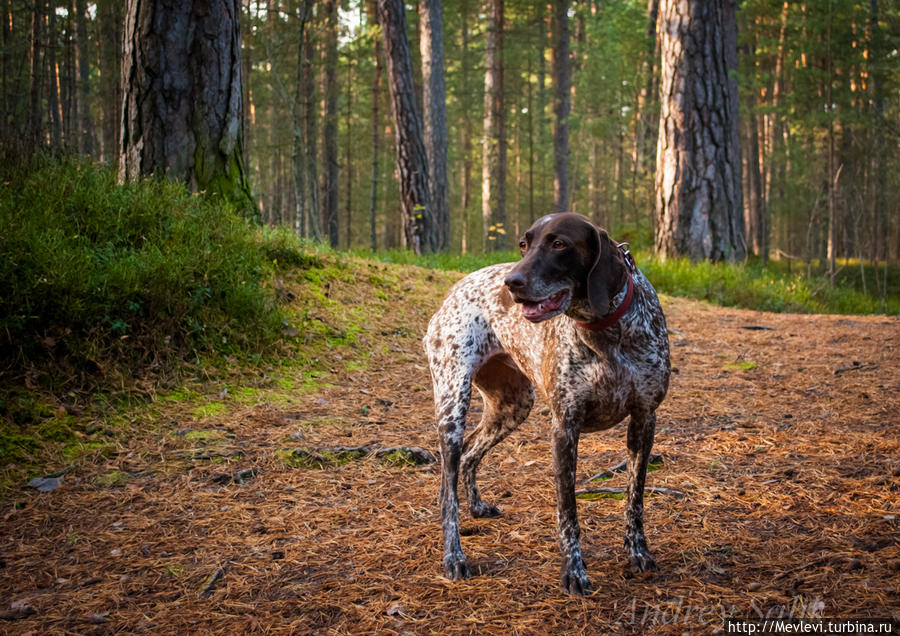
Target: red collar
{"x":613,"y":317}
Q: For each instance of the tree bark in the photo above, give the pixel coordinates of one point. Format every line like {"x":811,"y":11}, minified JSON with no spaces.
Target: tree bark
{"x":52,"y":81}
{"x":376,"y":130}
{"x":412,"y":168}
{"x":181,"y":110}
{"x":562,"y":79}
{"x":755,"y":224}
{"x":110,"y":17}
{"x":309,"y":119}
{"x":493,"y":170}
{"x":698,"y":183}
{"x":85,"y":125}
{"x":35,"y":119}
{"x":466,"y":129}
{"x":434,"y":97}
{"x":329,"y":132}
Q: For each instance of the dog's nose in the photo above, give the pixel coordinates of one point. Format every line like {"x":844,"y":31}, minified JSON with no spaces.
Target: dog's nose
{"x":515,"y":281}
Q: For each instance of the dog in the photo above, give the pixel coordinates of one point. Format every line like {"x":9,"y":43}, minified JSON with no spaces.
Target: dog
{"x":576,"y":320}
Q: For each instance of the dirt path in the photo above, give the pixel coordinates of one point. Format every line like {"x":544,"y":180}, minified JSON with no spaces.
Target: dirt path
{"x":791,"y":474}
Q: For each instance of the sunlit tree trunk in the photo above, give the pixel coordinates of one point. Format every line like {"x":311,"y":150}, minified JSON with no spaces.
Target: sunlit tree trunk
{"x":434,"y":97}
{"x":699,"y":211}
{"x":562,"y":80}
{"x":181,"y":112}
{"x":466,"y":132}
{"x":52,"y":82}
{"x":493,"y":170}
{"x":34,"y":81}
{"x":412,"y":166}
{"x":329,"y":138}
{"x":110,"y":18}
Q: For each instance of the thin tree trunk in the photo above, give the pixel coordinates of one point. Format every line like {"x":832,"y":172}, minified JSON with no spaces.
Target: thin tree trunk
{"x":493,"y":171}
{"x":110,"y":18}
{"x":531,"y":214}
{"x":348,"y":150}
{"x":311,"y":131}
{"x":832,"y":177}
{"x":53,"y":81}
{"x":86,"y":127}
{"x":330,"y":189}
{"x":376,"y":130}
{"x":754,"y":222}
{"x":543,"y":122}
{"x":465,"y":72}
{"x":34,"y":61}
{"x":881,"y":212}
{"x":4,"y":65}
{"x":698,"y":183}
{"x":562,"y":86}
{"x":434,"y":97}
{"x":412,"y":166}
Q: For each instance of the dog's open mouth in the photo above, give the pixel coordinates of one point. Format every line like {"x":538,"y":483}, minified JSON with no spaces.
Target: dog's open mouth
{"x":538,"y":310}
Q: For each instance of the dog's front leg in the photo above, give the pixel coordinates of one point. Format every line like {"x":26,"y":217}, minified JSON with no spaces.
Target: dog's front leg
{"x":641,"y":427}
{"x":574,"y":579}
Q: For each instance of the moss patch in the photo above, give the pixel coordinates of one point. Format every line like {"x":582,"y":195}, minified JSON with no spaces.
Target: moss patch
{"x":596,"y":496}
{"x":112,"y":479}
{"x":321,"y":458}
{"x":740,"y":366}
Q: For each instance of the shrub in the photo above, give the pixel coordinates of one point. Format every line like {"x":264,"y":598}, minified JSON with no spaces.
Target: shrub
{"x":93,"y":274}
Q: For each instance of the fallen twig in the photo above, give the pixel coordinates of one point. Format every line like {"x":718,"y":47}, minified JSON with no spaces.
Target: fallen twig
{"x":655,"y":458}
{"x":609,"y":490}
{"x":856,"y":366}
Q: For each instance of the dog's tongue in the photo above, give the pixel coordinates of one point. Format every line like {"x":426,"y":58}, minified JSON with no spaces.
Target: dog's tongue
{"x":535,"y":311}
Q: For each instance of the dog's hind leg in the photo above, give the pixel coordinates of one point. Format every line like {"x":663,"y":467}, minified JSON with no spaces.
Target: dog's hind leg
{"x":641,"y":427}
{"x":508,"y":397}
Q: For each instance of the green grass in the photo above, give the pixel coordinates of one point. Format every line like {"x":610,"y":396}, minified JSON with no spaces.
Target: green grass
{"x":748,"y":285}
{"x":766,"y":288}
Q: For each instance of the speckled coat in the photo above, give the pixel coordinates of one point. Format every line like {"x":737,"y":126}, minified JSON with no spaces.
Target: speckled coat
{"x":590,"y":379}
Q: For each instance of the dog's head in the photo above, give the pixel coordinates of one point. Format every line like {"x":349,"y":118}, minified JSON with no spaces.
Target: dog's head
{"x":568,"y":265}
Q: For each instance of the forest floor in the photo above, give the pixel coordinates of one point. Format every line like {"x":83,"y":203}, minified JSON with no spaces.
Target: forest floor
{"x":779,"y":434}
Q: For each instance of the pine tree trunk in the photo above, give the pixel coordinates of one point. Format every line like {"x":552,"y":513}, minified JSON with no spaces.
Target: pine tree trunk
{"x":434,"y":97}
{"x":466,"y":132}
{"x":181,"y":111}
{"x":562,"y":88}
{"x":4,"y":66}
{"x":329,"y":132}
{"x":493,"y":170}
{"x":110,"y":17}
{"x":376,"y":131}
{"x":698,"y":183}
{"x":309,"y":121}
{"x":86,"y":126}
{"x":53,"y":85}
{"x":412,"y":167}
{"x":35,"y":118}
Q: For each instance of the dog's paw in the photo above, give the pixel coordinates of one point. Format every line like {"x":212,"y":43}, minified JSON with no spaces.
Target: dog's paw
{"x":640,"y":562}
{"x":574,"y":580}
{"x":456,"y":568}
{"x":483,"y":510}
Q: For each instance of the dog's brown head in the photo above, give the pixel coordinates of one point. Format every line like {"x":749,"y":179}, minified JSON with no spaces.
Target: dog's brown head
{"x":568,"y":265}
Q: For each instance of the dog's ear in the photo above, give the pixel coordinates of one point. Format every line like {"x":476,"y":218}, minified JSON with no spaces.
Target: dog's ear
{"x":603,"y":274}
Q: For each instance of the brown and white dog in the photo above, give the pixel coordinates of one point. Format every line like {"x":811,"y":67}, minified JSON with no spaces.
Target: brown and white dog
{"x":576,"y":320}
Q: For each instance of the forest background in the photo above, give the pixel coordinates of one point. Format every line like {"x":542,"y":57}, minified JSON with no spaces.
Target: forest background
{"x":819,"y":85}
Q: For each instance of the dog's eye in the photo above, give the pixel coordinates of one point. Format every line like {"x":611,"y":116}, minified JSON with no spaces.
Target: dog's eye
{"x":523,"y":245}
{"x":558,"y":245}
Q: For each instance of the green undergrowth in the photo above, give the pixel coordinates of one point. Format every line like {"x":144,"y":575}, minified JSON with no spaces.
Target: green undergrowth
{"x":766,"y":288}
{"x":751,"y":285}
{"x":98,"y":279}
